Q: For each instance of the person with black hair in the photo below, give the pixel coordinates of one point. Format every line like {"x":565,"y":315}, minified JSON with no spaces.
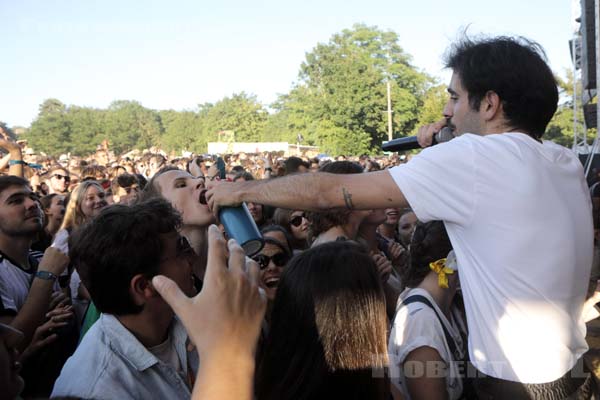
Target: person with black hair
{"x":137,"y":349}
{"x":328,"y":329}
{"x":429,"y":331}
{"x":296,"y":165}
{"x":260,"y":213}
{"x":272,"y":259}
{"x":499,"y":189}
{"x":243,"y":176}
{"x":296,"y":225}
{"x":125,"y":188}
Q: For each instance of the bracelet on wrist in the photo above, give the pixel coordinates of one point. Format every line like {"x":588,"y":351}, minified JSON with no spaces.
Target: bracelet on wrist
{"x":16,"y":162}
{"x":45,"y":275}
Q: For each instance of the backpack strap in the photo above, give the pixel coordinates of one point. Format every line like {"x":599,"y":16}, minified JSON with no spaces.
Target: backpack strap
{"x":417,"y":298}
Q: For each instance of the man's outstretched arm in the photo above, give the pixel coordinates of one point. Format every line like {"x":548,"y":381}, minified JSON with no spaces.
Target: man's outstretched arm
{"x":316,"y":191}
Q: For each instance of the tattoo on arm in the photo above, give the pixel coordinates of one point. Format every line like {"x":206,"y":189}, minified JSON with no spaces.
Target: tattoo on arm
{"x":348,"y":199}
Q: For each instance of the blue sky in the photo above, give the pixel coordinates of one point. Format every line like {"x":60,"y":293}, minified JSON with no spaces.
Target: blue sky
{"x":178,"y":54}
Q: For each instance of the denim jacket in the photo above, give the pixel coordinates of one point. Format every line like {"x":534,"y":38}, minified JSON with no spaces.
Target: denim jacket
{"x":110,"y":363}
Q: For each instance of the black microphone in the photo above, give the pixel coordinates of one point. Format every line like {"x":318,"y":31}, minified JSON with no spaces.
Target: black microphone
{"x":411,"y":142}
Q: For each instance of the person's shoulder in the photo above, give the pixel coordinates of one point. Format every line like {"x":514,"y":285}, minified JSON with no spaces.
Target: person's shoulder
{"x":85,"y":373}
{"x":415,"y":316}
{"x":10,"y":266}
{"x":416,"y":325}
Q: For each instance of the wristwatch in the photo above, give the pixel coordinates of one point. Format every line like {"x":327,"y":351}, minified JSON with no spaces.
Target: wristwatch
{"x":45,"y":275}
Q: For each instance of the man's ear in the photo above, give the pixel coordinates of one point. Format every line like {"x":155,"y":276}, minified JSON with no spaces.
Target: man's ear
{"x":491,"y":106}
{"x":141,"y":289}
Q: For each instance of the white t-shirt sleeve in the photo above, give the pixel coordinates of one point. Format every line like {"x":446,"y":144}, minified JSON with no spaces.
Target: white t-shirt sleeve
{"x":417,"y":328}
{"x":8,"y":304}
{"x":440,"y":182}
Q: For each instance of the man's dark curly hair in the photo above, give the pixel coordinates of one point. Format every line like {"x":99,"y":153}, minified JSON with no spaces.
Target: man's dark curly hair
{"x":123,"y":241}
{"x":515,"y":69}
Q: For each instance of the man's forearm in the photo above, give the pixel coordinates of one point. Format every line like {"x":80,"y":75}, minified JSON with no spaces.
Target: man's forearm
{"x":33,"y":312}
{"x":303,"y":192}
{"x":16,"y":167}
{"x":4,"y":161}
{"x":313,"y":191}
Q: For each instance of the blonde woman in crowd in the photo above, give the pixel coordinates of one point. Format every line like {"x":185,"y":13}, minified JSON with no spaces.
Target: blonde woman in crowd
{"x":86,"y":202}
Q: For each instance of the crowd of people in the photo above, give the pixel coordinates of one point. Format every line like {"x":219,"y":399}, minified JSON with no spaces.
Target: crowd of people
{"x":459,"y":273}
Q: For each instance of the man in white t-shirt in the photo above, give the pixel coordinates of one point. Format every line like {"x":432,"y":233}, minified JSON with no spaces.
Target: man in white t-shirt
{"x":516,"y":209}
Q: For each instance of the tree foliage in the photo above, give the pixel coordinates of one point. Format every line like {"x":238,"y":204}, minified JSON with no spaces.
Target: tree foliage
{"x":341,"y":92}
{"x":433,"y":105}
{"x":561,"y":127}
{"x":241,"y":113}
{"x":51,"y":131}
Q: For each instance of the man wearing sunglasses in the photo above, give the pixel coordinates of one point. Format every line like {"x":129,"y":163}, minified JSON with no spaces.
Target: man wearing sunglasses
{"x":58,"y":180}
{"x":137,"y":349}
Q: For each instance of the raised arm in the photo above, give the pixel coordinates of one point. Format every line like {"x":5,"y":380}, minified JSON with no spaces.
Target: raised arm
{"x":15,"y":162}
{"x":33,"y":312}
{"x":318,"y":191}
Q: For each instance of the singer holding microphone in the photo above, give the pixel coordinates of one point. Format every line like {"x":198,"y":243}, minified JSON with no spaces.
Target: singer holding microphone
{"x":516,"y":209}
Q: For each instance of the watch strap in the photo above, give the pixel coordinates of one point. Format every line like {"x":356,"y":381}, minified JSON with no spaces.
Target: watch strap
{"x":45,"y":275}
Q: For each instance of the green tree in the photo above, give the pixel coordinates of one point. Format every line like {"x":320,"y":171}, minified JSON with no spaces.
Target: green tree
{"x":241,"y":113}
{"x":295,"y":113}
{"x":336,"y":140}
{"x":433,"y":105}
{"x":129,"y":125}
{"x":50,"y":132}
{"x":343,"y":82}
{"x":87,"y":129}
{"x":560,"y":128}
{"x":181,"y":130}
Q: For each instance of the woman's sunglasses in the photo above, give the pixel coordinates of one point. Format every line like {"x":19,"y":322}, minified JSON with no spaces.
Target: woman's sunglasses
{"x":279,"y":259}
{"x":297,"y":220}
